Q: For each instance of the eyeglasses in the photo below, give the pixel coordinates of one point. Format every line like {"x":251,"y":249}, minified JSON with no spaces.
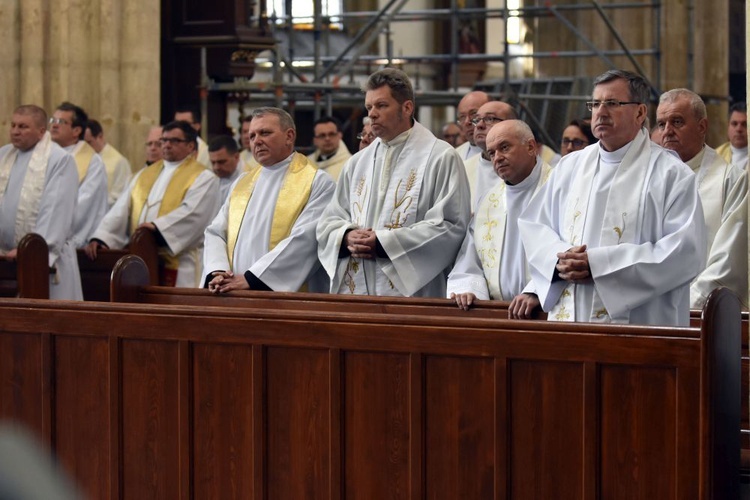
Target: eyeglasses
{"x":608,"y":103}
{"x":172,"y":140}
{"x":368,"y":137}
{"x":462,"y":118}
{"x":487,"y":120}
{"x":329,"y":135}
{"x":576,"y":143}
{"x":56,"y":121}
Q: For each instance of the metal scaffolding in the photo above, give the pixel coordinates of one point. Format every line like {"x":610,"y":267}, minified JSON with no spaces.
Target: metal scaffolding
{"x":323,"y":88}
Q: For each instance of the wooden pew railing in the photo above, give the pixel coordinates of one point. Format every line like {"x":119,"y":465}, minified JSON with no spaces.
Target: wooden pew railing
{"x":28,"y":275}
{"x":96,"y":274}
{"x":130,"y":284}
{"x":165,"y":401}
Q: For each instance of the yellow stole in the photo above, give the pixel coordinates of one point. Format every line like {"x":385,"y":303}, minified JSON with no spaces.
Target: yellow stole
{"x":293,"y":196}
{"x":181,"y":180}
{"x":83,"y":160}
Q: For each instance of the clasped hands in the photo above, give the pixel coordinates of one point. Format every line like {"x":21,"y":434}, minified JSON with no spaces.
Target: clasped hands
{"x":361,"y":243}
{"x":226,"y":281}
{"x":573,"y":265}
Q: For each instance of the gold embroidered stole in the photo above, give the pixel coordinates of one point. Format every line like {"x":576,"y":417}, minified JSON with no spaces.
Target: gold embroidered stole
{"x":183,"y":177}
{"x":710,"y":179}
{"x":83,"y":153}
{"x":489,"y":231}
{"x":32,"y":188}
{"x":293,"y":196}
{"x":489,"y":236}
{"x":620,"y":223}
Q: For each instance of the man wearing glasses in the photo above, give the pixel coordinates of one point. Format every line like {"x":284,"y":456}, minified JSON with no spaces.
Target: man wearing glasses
{"x":479,"y":170}
{"x":40,"y":184}
{"x":330,"y":153}
{"x":176,"y":198}
{"x":467,"y":110}
{"x":617,"y":233}
{"x":67,"y":128}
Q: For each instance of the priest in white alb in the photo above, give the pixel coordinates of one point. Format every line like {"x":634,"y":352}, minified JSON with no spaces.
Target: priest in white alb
{"x":175,"y":198}
{"x":617,"y":234}
{"x":467,"y":110}
{"x":67,"y":128}
{"x":401,"y":206}
{"x":38,"y":191}
{"x":264,"y":235}
{"x":491,"y":263}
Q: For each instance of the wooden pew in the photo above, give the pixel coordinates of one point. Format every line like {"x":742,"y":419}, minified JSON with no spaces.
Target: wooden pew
{"x":131,"y":279}
{"x":182,"y":402}
{"x":96,"y":274}
{"x":28,"y":275}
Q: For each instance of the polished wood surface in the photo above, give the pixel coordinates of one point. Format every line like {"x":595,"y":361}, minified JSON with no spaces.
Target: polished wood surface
{"x":219,"y":402}
{"x":96,"y":275}
{"x":27,"y":276}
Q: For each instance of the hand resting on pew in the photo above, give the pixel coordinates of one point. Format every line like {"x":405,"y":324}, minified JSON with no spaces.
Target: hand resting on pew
{"x":523,"y":306}
{"x":226,"y":281}
{"x":11,"y":255}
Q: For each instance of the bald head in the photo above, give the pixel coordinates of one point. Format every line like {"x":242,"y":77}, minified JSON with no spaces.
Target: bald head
{"x":467,"y":108}
{"x":512,"y":149}
{"x":488,"y":115}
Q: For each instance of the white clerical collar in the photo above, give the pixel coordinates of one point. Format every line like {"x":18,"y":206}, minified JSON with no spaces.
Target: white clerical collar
{"x":530,"y":180}
{"x":73,"y":146}
{"x":282,"y":164}
{"x":695,"y":162}
{"x":399,"y":139}
{"x":613,"y":157}
{"x":738,"y":151}
{"x":171,"y":165}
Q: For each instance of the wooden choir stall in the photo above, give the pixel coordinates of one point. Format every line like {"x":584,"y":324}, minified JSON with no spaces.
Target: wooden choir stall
{"x":284,"y":400}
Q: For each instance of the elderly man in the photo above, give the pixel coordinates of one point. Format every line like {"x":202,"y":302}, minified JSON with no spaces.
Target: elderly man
{"x":467,"y":110}
{"x":175,"y":198}
{"x":264,"y":236}
{"x":330,"y":153}
{"x":491,"y":263}
{"x":67,"y":127}
{"x":617,"y":233}
{"x":225,"y":160}
{"x":116,"y":165}
{"x":40,"y":185}
{"x":682,"y":120}
{"x":153,"y":145}
{"x":366,"y":136}
{"x":735,"y":151}
{"x":479,"y":169}
{"x":401,"y":207}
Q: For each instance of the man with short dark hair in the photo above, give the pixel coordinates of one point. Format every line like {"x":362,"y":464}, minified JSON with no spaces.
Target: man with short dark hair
{"x":67,"y":127}
{"x":401,"y":206}
{"x":175,"y":198}
{"x":330,"y":153}
{"x":40,"y":184}
{"x":735,"y":150}
{"x":192,"y":115}
{"x":617,"y":233}
{"x":225,"y":159}
{"x":116,"y":165}
{"x":153,"y":145}
{"x":452,"y":134}
{"x":247,"y":162}
{"x":264,"y":235}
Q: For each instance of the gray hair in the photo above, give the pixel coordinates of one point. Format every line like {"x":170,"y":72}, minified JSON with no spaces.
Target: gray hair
{"x":639,"y":88}
{"x":695,"y":101}
{"x":285,"y":119}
